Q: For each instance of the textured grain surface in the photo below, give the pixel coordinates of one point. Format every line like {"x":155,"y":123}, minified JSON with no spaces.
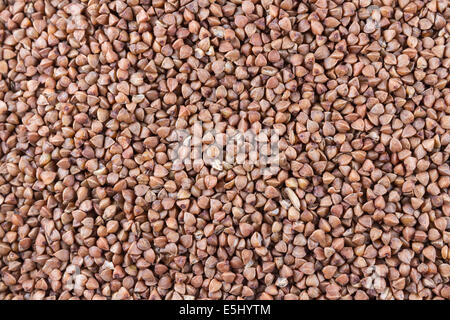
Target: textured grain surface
{"x":123,"y":174}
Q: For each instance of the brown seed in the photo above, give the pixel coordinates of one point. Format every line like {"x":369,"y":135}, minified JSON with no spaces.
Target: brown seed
{"x":285,"y":24}
{"x":293,"y":197}
{"x":430,"y":253}
{"x":160,"y":171}
{"x":248,"y":7}
{"x":338,"y":191}
{"x":316,"y":27}
{"x":445,"y":122}
{"x":210,"y":181}
{"x":185,"y":52}
{"x":47,"y":177}
{"x":240,"y":182}
{"x":214,"y":285}
{"x":271,"y":192}
{"x":245,"y":229}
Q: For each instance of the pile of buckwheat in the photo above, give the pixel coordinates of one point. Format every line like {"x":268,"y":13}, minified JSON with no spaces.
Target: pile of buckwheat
{"x":120,"y":178}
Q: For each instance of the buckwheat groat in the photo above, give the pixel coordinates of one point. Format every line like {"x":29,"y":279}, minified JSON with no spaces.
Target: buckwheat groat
{"x":224,"y":149}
